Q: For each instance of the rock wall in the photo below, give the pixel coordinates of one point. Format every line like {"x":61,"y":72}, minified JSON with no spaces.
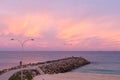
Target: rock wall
{"x":63,"y":65}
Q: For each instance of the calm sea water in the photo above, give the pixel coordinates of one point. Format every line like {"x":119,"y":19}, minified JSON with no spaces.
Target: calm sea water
{"x":104,"y":62}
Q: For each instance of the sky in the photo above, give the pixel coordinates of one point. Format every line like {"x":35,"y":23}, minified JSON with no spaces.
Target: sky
{"x":60,"y":25}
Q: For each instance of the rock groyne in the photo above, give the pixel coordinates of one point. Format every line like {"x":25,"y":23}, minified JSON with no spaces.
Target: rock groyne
{"x":63,"y":65}
{"x":51,"y":67}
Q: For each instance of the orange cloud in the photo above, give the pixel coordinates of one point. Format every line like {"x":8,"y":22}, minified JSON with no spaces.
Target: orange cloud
{"x":69,"y":31}
{"x":103,"y":27}
{"x":28,"y":25}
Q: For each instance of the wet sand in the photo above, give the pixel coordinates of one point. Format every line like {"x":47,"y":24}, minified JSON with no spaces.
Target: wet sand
{"x":78,"y":76}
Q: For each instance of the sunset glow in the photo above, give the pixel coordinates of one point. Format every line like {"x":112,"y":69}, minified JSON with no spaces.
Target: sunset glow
{"x":60,"y":25}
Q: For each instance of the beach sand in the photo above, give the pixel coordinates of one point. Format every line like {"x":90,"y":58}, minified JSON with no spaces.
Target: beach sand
{"x":78,"y":76}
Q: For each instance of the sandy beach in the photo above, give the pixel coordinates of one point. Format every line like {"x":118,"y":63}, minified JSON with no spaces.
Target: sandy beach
{"x":78,"y":76}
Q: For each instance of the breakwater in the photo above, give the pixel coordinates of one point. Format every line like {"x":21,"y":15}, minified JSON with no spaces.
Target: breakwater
{"x":63,"y":65}
{"x":51,"y":67}
{"x":76,"y":62}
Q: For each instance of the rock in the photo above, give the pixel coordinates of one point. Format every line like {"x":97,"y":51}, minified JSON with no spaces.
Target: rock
{"x":51,"y":67}
{"x":63,"y":65}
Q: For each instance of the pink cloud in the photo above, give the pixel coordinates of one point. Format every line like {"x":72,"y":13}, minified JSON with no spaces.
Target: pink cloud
{"x":55,"y":30}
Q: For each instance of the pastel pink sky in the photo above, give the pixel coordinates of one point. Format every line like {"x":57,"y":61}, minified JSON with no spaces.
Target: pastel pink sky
{"x":60,"y":24}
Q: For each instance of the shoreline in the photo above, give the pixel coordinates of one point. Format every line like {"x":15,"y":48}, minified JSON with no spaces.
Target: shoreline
{"x":59,"y":65}
{"x":41,"y":68}
{"x":78,"y":76}
{"x":46,"y":66}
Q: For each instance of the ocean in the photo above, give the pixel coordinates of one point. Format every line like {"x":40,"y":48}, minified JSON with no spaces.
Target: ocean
{"x":103,"y":62}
